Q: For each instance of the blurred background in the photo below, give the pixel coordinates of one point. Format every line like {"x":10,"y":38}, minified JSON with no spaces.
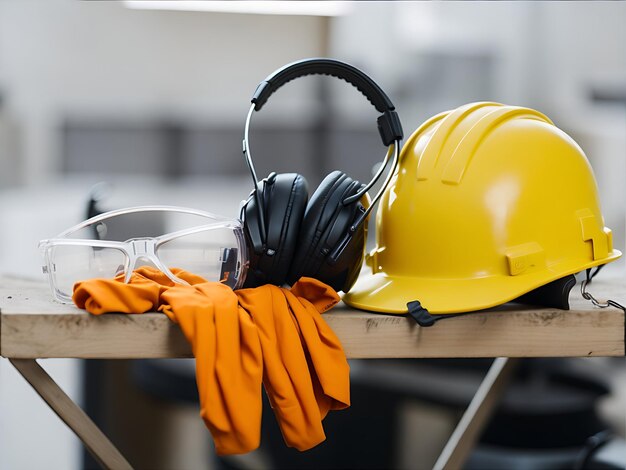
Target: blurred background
{"x":151,"y":97}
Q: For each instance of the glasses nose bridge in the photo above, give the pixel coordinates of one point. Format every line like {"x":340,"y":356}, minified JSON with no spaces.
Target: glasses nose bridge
{"x":143,"y":247}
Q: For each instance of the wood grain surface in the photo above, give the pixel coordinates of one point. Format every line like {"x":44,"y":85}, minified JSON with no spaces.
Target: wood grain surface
{"x":32,"y":325}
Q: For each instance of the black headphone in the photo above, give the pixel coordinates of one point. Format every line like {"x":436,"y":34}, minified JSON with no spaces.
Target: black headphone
{"x":290,"y":236}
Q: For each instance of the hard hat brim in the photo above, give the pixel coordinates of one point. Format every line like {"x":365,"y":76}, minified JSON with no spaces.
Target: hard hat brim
{"x":389,"y":294}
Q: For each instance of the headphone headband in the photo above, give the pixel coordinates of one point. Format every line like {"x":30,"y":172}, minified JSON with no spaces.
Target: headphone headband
{"x":331,"y":67}
{"x":388,"y":122}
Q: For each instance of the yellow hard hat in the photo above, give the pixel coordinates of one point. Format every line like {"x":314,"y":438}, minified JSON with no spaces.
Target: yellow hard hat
{"x":488,"y":203}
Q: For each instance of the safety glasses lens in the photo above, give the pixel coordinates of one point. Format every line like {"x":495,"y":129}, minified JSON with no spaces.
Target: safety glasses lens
{"x":72,"y":263}
{"x":209,"y":253}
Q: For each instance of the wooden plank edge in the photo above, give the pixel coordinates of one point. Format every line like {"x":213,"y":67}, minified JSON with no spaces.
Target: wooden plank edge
{"x":156,"y":337}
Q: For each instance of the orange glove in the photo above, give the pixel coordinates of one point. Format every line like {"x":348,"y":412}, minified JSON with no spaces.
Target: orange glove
{"x":300,"y":351}
{"x":239,"y":338}
{"x":229,"y":365}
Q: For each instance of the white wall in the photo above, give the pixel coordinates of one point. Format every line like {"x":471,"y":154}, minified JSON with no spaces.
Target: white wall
{"x":62,"y":57}
{"x":548,"y":53}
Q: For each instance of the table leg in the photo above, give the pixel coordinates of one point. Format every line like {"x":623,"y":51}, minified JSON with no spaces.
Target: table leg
{"x":470,"y":426}
{"x":92,"y":437}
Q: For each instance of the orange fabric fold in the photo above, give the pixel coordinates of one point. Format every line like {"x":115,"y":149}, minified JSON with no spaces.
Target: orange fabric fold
{"x":240,"y":339}
{"x":229,"y":366}
{"x":291,"y":343}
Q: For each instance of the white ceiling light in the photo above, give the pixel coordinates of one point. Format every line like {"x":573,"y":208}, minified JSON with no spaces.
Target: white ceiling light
{"x":277,"y":7}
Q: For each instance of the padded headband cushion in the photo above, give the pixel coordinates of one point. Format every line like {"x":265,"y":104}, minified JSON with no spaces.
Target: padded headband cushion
{"x":325,"y":221}
{"x":284,"y":199}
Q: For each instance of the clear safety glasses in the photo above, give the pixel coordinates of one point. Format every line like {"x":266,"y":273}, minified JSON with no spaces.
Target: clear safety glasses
{"x":163,"y":237}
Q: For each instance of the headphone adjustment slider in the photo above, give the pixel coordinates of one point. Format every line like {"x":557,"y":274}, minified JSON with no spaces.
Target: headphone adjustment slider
{"x":390,"y":127}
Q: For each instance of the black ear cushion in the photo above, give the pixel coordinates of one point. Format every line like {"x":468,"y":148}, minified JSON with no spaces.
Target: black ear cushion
{"x":284,"y":199}
{"x":326,"y":221}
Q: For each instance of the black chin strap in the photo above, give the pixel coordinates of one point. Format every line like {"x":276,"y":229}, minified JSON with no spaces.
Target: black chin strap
{"x":424,"y":318}
{"x":587,"y":296}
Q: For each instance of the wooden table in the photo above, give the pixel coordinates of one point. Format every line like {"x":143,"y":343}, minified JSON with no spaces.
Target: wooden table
{"x":32,"y":326}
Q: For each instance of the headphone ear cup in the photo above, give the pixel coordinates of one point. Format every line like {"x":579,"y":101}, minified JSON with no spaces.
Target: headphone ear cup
{"x":325,"y":226}
{"x":284,"y":198}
